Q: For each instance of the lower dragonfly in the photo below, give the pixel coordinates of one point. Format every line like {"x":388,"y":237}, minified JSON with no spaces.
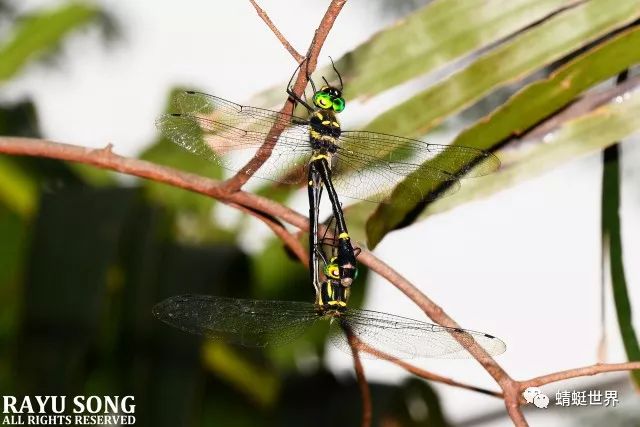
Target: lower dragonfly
{"x":258,"y":323}
{"x":358,"y":164}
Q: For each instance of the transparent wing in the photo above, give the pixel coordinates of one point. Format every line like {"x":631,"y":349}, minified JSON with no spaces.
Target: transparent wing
{"x":455,"y":160}
{"x":370,"y":165}
{"x":363,"y":177}
{"x":367,"y":166}
{"x":405,"y":338}
{"x":230,"y":135}
{"x":252,"y":323}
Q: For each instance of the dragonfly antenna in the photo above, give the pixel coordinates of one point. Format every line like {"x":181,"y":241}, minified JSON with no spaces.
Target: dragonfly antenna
{"x":337,"y":72}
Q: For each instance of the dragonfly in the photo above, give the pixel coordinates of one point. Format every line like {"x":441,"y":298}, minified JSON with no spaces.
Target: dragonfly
{"x":355,"y":164}
{"x":259,"y":323}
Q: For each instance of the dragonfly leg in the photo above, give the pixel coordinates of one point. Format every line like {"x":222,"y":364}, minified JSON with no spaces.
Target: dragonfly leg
{"x":295,"y":97}
{"x":314,"y":190}
{"x":299,"y":100}
{"x":346,"y":256}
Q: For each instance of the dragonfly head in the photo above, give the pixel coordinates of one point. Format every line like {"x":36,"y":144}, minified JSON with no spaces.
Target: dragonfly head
{"x":329,"y":98}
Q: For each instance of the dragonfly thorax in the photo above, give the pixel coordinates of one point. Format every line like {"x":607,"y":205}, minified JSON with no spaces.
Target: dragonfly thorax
{"x":324,"y":131}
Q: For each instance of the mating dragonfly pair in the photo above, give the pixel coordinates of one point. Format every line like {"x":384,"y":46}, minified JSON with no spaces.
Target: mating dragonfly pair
{"x":355,"y":164}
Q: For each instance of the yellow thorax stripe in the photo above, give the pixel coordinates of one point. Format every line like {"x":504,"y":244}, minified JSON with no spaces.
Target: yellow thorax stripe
{"x":343,"y":236}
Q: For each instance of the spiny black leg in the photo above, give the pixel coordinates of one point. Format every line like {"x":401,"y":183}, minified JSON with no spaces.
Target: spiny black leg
{"x":314,"y":189}
{"x":306,"y":70}
{"x":299,"y":100}
{"x":290,"y":92}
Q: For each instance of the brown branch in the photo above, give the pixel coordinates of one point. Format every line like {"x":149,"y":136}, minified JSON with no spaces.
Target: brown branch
{"x":436,"y":313}
{"x":354,"y":343}
{"x":236,"y":182}
{"x":277,"y":32}
{"x":422,"y":373}
{"x":106,"y":159}
{"x":289,"y":239}
{"x":596,"y":369}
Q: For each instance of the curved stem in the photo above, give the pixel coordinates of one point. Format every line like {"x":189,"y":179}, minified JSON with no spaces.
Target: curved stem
{"x":236,"y":182}
{"x":278,"y":34}
{"x":355,"y":345}
{"x":584,"y":371}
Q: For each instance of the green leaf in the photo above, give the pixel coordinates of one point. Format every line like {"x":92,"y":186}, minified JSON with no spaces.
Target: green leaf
{"x":41,"y":33}
{"x":573,"y":139}
{"x":509,"y":62}
{"x":523,"y":110}
{"x":612,"y":246}
{"x":429,"y":39}
{"x":434,"y":36}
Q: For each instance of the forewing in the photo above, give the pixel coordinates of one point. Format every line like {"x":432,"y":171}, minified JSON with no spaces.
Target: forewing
{"x":230,"y":135}
{"x":454,"y":160}
{"x":404,"y":338}
{"x":370,"y":166}
{"x":251,"y":323}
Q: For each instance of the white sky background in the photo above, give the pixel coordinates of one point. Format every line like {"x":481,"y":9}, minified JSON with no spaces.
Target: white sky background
{"x":523,"y":265}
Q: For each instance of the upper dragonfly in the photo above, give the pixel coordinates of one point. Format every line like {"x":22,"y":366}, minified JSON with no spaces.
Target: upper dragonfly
{"x":357,"y":164}
{"x":363,"y":165}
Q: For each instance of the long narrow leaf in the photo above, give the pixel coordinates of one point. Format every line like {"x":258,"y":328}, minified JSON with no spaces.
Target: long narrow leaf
{"x":612,"y":240}
{"x":434,"y":36}
{"x":438,"y":34}
{"x":524,"y":54}
{"x":586,"y":134}
{"x":526,"y":108}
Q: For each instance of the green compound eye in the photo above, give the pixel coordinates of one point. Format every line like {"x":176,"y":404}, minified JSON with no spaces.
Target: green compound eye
{"x":322,"y":100}
{"x":338,"y":105}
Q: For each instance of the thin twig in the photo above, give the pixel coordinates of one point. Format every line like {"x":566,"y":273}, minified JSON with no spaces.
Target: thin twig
{"x":596,"y":369}
{"x":277,"y":32}
{"x":354,"y":343}
{"x":422,"y":373}
{"x":104,"y":158}
{"x":236,"y":182}
{"x":438,"y":315}
{"x":279,"y":230}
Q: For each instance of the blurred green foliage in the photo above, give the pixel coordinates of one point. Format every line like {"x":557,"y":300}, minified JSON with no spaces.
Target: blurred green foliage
{"x":39,"y":33}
